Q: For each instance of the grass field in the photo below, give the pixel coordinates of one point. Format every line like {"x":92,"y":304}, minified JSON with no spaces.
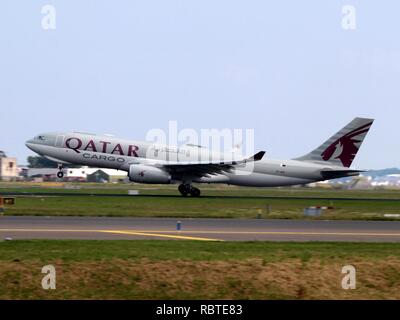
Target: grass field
{"x":150,"y":269}
{"x":218,"y":201}
{"x":198,"y":270}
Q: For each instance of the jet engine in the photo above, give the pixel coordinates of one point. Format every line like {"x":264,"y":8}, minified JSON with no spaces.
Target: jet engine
{"x":148,"y":174}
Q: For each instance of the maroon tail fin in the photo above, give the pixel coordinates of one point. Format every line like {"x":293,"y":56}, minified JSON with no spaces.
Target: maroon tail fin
{"x":341,"y":148}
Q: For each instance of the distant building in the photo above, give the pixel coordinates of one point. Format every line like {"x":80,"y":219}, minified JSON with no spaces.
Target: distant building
{"x":359,"y":182}
{"x":94,"y":174}
{"x":78,"y":174}
{"x":42,"y":174}
{"x":107,"y":175}
{"x":22,"y":171}
{"x":8,"y":167}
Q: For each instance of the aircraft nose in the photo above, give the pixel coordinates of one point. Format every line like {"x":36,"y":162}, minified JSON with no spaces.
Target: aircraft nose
{"x":29,"y":143}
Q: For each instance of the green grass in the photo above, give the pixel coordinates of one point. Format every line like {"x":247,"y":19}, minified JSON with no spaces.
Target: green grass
{"x":218,"y":202}
{"x":215,"y":207}
{"x":207,"y":190}
{"x":96,"y":250}
{"x":154,"y":269}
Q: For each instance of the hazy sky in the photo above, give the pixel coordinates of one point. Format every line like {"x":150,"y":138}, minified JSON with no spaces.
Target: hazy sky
{"x":287,"y":69}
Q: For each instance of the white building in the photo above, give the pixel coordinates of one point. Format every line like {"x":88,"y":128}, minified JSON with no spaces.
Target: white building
{"x":8,"y":167}
{"x":75,"y":174}
{"x":42,"y":172}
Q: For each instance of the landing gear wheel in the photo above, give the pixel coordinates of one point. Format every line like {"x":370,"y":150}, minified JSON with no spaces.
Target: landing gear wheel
{"x":195,"y":192}
{"x":183,"y":189}
{"x":60,"y":173}
{"x":186,"y":189}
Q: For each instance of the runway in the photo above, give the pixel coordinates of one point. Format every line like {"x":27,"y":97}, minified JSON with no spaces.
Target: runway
{"x":104,"y":228}
{"x":120,"y":195}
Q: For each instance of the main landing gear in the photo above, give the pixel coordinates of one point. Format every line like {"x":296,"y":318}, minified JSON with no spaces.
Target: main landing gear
{"x":186,"y":189}
{"x":60,"y":173}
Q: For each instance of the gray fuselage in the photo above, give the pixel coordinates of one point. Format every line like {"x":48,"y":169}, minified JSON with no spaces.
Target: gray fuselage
{"x":110,"y":152}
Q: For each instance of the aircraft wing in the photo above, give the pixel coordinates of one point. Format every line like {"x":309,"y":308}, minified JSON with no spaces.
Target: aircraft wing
{"x":203,"y":168}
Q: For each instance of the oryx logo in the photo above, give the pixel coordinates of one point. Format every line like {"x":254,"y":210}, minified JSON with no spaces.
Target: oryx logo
{"x":345,"y":148}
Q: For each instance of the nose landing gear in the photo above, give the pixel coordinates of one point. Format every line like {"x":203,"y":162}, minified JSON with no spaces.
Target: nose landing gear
{"x":60,"y":173}
{"x":186,"y":189}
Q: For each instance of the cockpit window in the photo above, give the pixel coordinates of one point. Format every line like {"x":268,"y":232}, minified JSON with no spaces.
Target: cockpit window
{"x":42,"y":138}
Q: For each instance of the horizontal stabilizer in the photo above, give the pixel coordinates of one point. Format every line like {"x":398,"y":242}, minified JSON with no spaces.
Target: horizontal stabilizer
{"x":333,"y":174}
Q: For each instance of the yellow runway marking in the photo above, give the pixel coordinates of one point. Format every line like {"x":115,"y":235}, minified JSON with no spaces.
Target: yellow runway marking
{"x":306,"y":233}
{"x":145,"y":233}
{"x":51,"y":230}
{"x":181,"y":234}
{"x":132,"y":232}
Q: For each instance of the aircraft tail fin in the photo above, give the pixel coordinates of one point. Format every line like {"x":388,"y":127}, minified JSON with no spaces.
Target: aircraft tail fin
{"x":342,"y":147}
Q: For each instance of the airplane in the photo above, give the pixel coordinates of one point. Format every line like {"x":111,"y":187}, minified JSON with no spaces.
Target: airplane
{"x":146,"y":162}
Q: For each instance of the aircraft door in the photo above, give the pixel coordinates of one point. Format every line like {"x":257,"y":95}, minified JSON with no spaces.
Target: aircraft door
{"x":59,"y":141}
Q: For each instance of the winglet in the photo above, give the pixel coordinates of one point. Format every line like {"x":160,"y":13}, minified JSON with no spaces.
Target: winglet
{"x":258,"y":156}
